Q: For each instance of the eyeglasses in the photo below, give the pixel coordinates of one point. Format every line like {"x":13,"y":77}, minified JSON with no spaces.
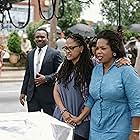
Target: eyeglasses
{"x":70,"y":48}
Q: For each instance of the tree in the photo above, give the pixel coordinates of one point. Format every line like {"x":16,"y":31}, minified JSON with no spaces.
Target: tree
{"x":52,"y":35}
{"x":130,"y":11}
{"x":14,"y":43}
{"x":14,"y":47}
{"x":97,"y":29}
{"x":69,"y":11}
{"x":72,"y":10}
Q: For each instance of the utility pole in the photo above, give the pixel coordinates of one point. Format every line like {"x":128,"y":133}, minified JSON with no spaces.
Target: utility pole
{"x":52,"y":36}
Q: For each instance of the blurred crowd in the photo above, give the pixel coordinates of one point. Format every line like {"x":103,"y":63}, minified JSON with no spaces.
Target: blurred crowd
{"x":133,"y":52}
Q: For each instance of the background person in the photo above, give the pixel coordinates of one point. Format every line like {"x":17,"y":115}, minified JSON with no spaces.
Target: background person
{"x":71,"y":88}
{"x":132,"y":50}
{"x":42,"y":64}
{"x":92,"y":45}
{"x":60,"y":43}
{"x":25,"y":45}
{"x":137,"y":64}
{"x":114,"y":98}
{"x":2,"y":52}
{"x":25,"y":48}
{"x":138,"y":41}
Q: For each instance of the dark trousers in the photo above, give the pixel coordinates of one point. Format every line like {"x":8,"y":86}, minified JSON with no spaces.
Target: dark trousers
{"x":77,"y":137}
{"x":37,"y":104}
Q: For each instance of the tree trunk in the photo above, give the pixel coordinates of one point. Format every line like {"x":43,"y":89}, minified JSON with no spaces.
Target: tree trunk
{"x":52,"y":36}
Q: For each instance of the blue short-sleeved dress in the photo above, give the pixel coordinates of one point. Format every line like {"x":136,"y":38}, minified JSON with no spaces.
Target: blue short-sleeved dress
{"x":114,"y":98}
{"x":74,"y":102}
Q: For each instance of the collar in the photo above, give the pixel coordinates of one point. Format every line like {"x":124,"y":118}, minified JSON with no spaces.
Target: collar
{"x":112,"y":65}
{"x":43,"y":48}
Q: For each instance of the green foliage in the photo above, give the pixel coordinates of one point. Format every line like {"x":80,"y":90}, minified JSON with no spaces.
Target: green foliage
{"x":130,"y":11}
{"x":83,"y":21}
{"x":14,"y":43}
{"x":31,"y":30}
{"x":71,"y":14}
{"x":97,"y":29}
{"x":130,"y":14}
{"x":126,"y":32}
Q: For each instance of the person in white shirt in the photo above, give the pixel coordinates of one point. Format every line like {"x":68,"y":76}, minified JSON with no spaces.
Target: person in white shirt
{"x":25,"y":45}
{"x":137,"y":64}
{"x":60,"y":43}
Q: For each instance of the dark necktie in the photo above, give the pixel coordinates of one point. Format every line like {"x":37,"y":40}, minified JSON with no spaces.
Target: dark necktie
{"x":39,"y":50}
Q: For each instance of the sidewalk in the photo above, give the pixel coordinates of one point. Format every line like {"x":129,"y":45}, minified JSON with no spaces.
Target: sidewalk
{"x":13,"y":74}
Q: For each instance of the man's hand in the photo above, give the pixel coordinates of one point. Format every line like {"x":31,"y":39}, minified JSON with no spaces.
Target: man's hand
{"x":40,"y":79}
{"x":22,"y":99}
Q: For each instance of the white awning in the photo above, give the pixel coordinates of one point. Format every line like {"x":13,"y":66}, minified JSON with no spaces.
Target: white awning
{"x":34,"y":125}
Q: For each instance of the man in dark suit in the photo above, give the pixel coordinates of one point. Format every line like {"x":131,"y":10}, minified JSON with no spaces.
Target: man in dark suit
{"x":41,"y":67}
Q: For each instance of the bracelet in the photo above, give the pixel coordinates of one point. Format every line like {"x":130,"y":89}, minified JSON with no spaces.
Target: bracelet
{"x":136,"y":130}
{"x":62,"y":112}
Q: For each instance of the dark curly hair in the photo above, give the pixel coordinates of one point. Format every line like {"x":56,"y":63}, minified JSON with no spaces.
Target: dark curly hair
{"x":114,"y":41}
{"x":92,"y":43}
{"x":81,"y":70}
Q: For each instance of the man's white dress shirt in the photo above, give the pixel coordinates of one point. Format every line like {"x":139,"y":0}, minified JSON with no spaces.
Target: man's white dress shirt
{"x":38,"y":59}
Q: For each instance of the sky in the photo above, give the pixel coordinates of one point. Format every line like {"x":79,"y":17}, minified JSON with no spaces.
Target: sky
{"x":92,"y":13}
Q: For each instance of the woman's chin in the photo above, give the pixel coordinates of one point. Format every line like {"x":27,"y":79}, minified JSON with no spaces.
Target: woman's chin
{"x":69,"y":58}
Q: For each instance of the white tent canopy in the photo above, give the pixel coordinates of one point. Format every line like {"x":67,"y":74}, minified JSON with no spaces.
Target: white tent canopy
{"x":34,"y":125}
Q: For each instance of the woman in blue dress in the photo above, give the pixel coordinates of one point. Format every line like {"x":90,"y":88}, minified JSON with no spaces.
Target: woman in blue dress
{"x":114,"y":99}
{"x":71,"y":87}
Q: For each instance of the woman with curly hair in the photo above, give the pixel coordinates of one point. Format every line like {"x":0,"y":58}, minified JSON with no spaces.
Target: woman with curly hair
{"x":114,"y":99}
{"x":71,"y":87}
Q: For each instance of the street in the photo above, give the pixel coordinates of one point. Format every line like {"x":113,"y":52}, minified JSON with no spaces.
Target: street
{"x":9,"y":97}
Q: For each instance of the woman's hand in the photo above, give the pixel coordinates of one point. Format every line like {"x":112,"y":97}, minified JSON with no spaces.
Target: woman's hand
{"x":66,"y":116}
{"x":123,"y":61}
{"x":74,"y":120}
{"x":134,"y":136}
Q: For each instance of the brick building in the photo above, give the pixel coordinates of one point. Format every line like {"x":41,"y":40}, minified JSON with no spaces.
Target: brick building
{"x":34,"y":5}
{"x":19,"y":15}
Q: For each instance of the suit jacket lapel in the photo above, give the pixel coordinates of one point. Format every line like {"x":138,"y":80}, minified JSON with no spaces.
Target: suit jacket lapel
{"x":46,"y":57}
{"x":32,"y":63}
